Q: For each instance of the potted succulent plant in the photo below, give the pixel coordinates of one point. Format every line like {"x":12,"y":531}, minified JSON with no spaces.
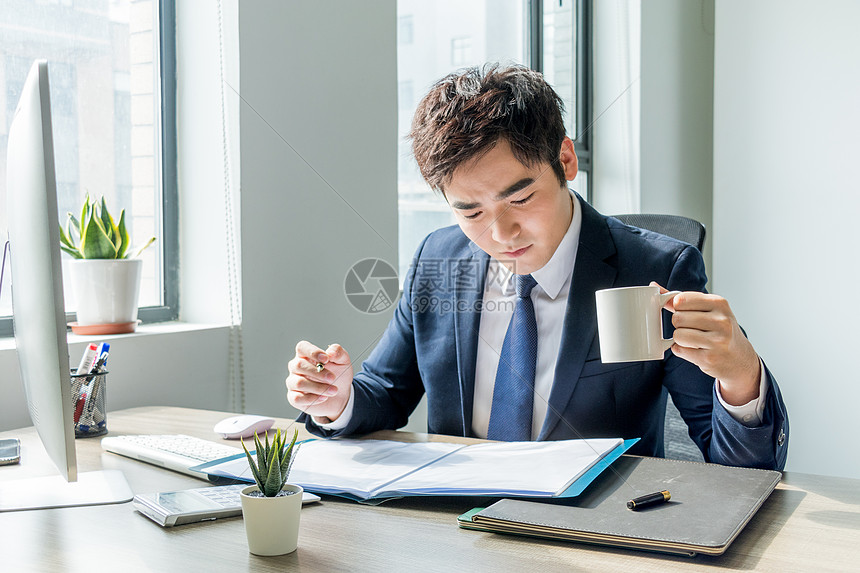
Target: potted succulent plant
{"x":272,"y":508}
{"x":105,"y":273}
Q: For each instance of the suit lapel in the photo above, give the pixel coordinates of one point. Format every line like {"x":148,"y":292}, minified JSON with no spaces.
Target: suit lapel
{"x":591,"y":273}
{"x":468,"y":292}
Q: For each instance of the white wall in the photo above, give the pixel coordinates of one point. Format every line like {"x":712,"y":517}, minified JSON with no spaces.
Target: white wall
{"x":786,"y":203}
{"x":319,"y":180}
{"x":200,"y":154}
{"x":653,"y":107}
{"x":677,"y":109}
{"x":167,"y":364}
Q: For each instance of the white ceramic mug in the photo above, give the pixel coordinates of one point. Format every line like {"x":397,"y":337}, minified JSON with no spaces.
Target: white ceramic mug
{"x":630,"y":323}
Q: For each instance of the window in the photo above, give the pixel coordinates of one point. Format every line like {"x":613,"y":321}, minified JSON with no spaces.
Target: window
{"x":551,"y":36}
{"x":564,"y":45}
{"x":110,"y":67}
{"x":406,"y":95}
{"x":461,"y":51}
{"x":405,"y":29}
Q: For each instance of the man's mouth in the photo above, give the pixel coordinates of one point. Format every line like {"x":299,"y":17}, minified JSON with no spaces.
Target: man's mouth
{"x":516,"y":253}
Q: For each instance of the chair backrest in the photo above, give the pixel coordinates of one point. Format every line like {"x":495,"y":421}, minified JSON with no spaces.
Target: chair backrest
{"x":676,"y":437}
{"x":675,"y":226}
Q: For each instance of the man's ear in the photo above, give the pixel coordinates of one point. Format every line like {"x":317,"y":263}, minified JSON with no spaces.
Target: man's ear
{"x":567,"y":157}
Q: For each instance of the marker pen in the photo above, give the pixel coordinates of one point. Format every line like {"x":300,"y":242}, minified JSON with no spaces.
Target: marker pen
{"x":87,"y":359}
{"x":103,"y":350}
{"x":79,"y":406}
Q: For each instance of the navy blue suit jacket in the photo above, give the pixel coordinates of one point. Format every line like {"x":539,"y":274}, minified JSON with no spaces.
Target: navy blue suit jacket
{"x":430,"y":346}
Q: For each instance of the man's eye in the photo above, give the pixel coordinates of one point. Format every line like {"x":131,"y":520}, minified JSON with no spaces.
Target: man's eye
{"x":472,"y":216}
{"x":523,"y":201}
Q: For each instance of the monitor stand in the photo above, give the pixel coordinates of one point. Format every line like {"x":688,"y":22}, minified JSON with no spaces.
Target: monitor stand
{"x":92,"y":488}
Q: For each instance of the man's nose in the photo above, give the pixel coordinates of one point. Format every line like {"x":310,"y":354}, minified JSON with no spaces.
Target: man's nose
{"x":505,"y":228}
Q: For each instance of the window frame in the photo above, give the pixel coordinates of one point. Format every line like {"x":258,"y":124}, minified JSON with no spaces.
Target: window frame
{"x":584,"y":91}
{"x":169,"y":309}
{"x":583,"y":97}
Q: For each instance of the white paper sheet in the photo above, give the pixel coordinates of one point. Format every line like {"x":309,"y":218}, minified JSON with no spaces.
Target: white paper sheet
{"x":510,"y":468}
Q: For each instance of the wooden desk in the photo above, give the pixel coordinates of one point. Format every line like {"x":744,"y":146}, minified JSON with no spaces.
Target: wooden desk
{"x":810,"y":523}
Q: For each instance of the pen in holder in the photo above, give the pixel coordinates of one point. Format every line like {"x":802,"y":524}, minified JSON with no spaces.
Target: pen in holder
{"x":88,"y":399}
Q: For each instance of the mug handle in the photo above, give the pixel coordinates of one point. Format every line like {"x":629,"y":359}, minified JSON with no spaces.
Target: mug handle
{"x":664,"y":298}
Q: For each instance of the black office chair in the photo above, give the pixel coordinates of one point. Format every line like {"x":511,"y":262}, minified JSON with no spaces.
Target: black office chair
{"x":675,"y":226}
{"x":678,"y":444}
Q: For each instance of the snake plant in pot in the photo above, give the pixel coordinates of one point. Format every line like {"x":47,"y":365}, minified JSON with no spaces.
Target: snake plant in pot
{"x":104,"y":272}
{"x":272,"y":507}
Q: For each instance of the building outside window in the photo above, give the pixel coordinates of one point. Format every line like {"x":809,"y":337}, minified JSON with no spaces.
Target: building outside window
{"x":405,"y":29}
{"x":406,"y":95}
{"x":461,"y":51}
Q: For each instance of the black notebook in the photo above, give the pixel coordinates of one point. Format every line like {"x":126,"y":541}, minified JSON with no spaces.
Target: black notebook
{"x":710,"y":505}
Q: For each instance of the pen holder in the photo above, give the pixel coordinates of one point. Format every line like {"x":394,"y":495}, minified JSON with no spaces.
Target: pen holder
{"x":88,"y":401}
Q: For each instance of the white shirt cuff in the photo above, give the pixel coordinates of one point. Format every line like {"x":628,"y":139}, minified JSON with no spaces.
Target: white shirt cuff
{"x":750,"y":414}
{"x":344,"y":417}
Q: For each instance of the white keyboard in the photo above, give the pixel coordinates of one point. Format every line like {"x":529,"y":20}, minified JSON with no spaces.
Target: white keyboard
{"x":175,"y":452}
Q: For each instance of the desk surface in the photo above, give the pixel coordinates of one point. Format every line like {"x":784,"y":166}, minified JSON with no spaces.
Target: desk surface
{"x":810,"y":523}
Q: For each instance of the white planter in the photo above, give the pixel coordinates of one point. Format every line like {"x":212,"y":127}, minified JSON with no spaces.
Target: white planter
{"x":272,"y":523}
{"x":106,"y":290}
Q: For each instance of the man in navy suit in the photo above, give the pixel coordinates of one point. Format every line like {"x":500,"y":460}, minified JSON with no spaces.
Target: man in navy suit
{"x":492,"y":142}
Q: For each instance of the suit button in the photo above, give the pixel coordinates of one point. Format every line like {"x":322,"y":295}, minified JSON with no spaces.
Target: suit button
{"x":780,"y":440}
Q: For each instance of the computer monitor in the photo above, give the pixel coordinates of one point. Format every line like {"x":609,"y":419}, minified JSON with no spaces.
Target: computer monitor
{"x":38,"y":310}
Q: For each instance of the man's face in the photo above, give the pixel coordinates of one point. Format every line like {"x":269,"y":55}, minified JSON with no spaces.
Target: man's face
{"x":515,"y":213}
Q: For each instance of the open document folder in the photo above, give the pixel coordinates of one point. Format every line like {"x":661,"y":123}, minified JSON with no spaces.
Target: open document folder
{"x":378,"y":469}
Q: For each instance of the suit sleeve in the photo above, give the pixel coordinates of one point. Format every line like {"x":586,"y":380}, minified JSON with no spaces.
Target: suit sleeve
{"x":388,"y":387}
{"x":721,"y":438}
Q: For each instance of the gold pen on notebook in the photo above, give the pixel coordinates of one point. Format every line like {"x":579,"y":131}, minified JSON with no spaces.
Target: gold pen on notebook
{"x":648,"y":500}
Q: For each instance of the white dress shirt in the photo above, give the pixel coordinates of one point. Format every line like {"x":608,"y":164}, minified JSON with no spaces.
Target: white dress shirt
{"x":550,"y":301}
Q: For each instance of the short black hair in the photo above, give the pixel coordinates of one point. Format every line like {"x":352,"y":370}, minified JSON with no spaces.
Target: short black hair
{"x":466,"y":113}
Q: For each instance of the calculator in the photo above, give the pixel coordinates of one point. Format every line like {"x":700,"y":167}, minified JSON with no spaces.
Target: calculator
{"x":193,"y":505}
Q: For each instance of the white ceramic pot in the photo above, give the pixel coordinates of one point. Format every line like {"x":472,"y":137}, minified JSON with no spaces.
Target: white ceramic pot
{"x":272,"y":523}
{"x":106,"y":290}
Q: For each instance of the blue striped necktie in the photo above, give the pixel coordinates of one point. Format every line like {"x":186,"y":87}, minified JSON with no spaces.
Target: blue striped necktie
{"x":513,"y":394}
